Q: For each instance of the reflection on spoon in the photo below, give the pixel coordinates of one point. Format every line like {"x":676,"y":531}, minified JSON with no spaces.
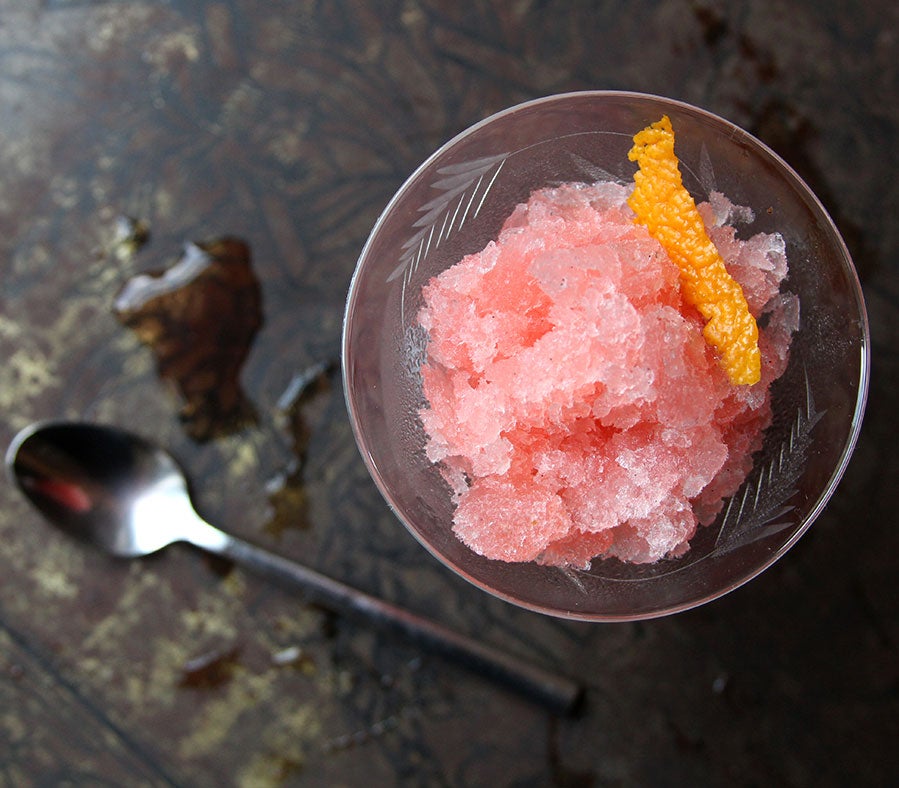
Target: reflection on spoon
{"x":128,"y":497}
{"x":68,"y":495}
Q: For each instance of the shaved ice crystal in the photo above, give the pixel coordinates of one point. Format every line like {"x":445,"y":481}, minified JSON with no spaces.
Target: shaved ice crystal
{"x":574,"y":406}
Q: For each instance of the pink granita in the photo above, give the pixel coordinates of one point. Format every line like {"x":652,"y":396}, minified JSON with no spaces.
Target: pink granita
{"x":573,"y":405}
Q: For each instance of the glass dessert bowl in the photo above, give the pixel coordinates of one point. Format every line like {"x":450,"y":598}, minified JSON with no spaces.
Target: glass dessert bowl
{"x":458,"y":201}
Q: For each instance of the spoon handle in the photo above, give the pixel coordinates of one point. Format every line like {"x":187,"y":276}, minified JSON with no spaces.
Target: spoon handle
{"x":556,"y":692}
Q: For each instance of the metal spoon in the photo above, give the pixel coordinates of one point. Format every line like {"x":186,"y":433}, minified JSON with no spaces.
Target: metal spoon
{"x":130,"y":498}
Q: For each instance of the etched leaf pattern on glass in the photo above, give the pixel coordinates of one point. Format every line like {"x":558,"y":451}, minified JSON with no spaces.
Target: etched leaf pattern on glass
{"x":463,"y":188}
{"x":757,"y":512}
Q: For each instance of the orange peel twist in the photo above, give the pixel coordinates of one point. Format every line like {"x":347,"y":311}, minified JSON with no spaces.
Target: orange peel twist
{"x":668,"y":211}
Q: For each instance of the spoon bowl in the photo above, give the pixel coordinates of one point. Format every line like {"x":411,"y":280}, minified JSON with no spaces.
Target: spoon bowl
{"x":104,"y":486}
{"x":130,"y":498}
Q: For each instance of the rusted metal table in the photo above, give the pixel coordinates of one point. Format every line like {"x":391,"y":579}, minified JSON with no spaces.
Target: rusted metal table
{"x":288,"y":126}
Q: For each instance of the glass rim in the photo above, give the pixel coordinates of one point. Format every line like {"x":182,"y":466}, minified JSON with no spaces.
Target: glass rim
{"x":847,"y":265}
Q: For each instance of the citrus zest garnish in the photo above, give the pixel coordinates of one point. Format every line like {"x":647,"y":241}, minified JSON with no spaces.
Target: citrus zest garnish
{"x":666,"y":208}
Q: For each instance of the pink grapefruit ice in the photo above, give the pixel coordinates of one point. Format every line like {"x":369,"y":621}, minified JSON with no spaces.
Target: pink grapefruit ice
{"x":574,"y":406}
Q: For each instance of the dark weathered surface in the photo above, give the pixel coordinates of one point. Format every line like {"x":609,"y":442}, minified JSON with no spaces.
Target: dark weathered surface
{"x":289,"y":125}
